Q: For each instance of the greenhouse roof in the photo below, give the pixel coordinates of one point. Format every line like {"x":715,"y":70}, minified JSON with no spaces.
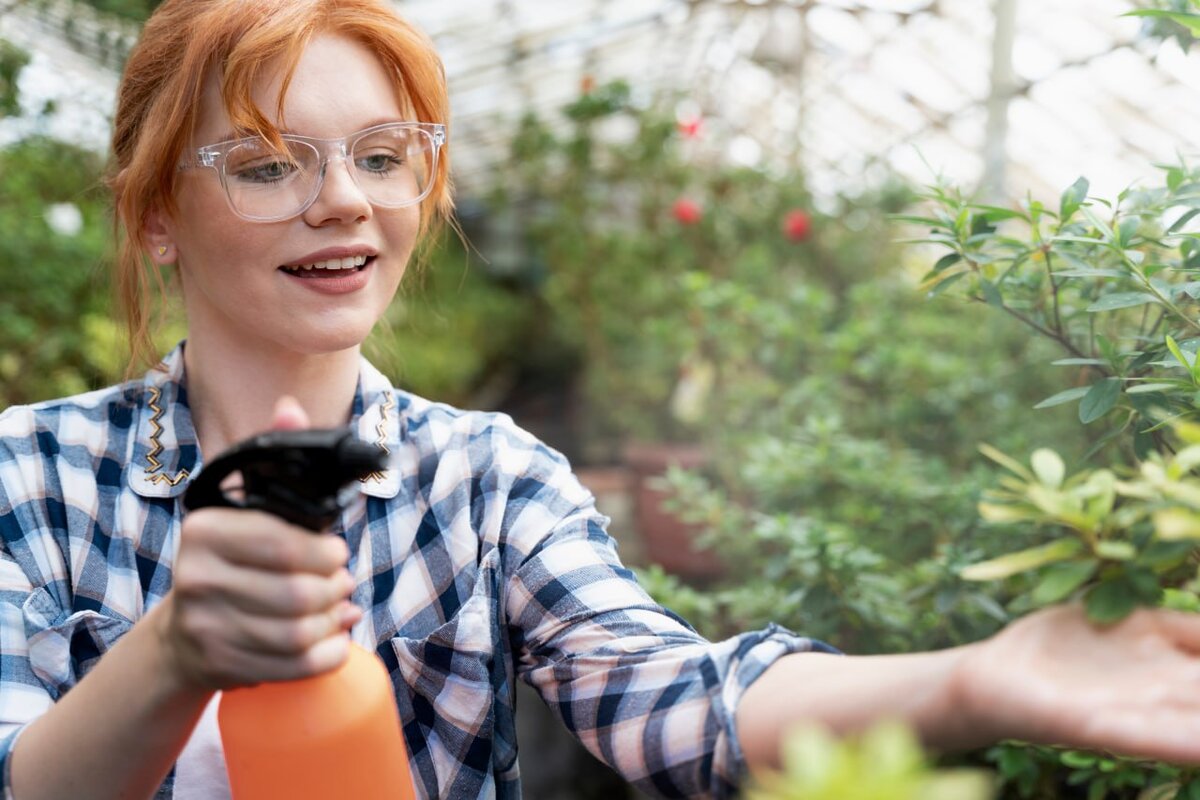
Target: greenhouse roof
{"x":848,"y":89}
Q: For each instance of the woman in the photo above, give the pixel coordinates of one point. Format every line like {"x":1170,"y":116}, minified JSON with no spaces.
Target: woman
{"x":287,"y":157}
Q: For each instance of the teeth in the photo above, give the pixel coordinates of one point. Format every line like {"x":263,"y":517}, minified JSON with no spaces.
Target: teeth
{"x":352,"y":262}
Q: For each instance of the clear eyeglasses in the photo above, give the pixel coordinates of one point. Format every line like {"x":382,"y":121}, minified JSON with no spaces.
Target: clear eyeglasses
{"x":393,"y":164}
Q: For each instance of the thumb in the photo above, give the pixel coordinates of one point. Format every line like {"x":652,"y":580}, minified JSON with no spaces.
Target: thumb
{"x":289,"y":415}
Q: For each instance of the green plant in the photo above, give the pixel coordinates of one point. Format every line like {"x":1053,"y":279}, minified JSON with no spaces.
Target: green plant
{"x":885,"y":763}
{"x":453,"y":333}
{"x":843,"y":498}
{"x":56,"y":333}
{"x":1113,"y":286}
{"x":645,"y":248}
{"x":12,"y":60}
{"x":1172,"y":19}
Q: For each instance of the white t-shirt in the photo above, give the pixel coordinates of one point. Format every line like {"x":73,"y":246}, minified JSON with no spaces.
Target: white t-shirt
{"x":200,"y":771}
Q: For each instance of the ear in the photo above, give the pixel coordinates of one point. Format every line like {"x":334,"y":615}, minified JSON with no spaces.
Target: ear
{"x":157,"y":234}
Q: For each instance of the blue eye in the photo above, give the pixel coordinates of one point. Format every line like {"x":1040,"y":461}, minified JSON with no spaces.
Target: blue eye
{"x":268,"y":172}
{"x":379,"y":163}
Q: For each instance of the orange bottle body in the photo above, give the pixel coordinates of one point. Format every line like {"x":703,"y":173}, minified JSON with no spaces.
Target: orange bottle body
{"x":330,"y":736}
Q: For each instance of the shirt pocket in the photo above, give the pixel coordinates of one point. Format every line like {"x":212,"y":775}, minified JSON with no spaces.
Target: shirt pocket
{"x":444,"y":686}
{"x":64,"y":646}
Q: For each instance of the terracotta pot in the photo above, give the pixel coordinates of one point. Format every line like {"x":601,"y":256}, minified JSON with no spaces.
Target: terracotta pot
{"x":666,"y":540}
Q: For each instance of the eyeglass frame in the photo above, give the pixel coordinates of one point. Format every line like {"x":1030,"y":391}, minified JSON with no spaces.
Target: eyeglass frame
{"x":213,"y":156}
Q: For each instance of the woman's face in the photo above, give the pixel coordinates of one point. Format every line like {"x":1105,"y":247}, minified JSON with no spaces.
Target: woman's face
{"x":237,"y":285}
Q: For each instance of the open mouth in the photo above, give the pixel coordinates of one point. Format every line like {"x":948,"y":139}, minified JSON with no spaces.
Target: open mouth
{"x":330,"y":268}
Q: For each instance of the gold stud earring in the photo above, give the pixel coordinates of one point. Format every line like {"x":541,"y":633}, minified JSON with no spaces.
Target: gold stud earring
{"x":162,"y":250}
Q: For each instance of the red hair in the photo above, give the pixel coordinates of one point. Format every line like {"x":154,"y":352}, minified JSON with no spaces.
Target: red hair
{"x":241,"y":42}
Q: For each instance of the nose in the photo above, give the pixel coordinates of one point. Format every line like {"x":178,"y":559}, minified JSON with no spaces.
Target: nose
{"x":340,"y":199}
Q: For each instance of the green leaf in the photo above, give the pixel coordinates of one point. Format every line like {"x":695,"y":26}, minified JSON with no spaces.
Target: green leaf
{"x":994,"y":512}
{"x":930,"y":221}
{"x":1189,"y":21}
{"x":1145,"y":388}
{"x":1099,"y":400}
{"x":1127,"y":229}
{"x":1048,"y":467}
{"x":1077,"y":760}
{"x":1060,"y":580}
{"x":998,"y":213}
{"x":1011,"y":464}
{"x":1115,"y":598}
{"x":1111,"y":302}
{"x":1180,"y":355}
{"x":1072,"y":199}
{"x":948,"y":260}
{"x":1174,"y":524}
{"x":942,"y":282}
{"x":990,"y":293}
{"x":1110,"y":602}
{"x":1090,"y":273}
{"x":1159,"y":555}
{"x":1064,"y":397}
{"x":1077,"y":362}
{"x":1184,"y":220}
{"x":1181,"y":600}
{"x":1115,"y":551}
{"x":1106,"y":233}
{"x":1022,"y":561}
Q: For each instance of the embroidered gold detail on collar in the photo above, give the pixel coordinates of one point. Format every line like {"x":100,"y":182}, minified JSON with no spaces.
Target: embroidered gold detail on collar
{"x":381,"y":430}
{"x":153,"y":475}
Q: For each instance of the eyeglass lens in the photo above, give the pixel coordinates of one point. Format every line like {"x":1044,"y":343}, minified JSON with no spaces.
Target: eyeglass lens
{"x":391,"y":167}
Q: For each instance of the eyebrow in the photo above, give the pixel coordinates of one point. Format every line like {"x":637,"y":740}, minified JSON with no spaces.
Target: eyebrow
{"x":229,"y":136}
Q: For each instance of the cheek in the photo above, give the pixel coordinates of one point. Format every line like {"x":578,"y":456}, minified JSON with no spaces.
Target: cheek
{"x":212,"y":238}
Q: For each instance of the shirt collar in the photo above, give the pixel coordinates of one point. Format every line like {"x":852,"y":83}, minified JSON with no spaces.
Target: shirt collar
{"x":376,"y":415}
{"x":166,"y":452}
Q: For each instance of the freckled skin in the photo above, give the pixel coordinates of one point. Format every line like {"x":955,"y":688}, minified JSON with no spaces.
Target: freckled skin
{"x":233,"y":289}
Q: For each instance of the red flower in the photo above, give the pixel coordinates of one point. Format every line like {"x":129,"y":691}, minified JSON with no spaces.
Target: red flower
{"x":587,"y":85}
{"x":687,"y":211}
{"x":690,"y":128}
{"x":797,"y":225}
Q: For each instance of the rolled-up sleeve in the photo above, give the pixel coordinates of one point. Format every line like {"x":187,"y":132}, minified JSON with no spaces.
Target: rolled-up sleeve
{"x":27,"y":558}
{"x":635,"y":683}
{"x":23,"y":696}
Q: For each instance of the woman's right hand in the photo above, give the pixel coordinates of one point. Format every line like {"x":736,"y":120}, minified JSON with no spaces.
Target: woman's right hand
{"x":256,"y":599}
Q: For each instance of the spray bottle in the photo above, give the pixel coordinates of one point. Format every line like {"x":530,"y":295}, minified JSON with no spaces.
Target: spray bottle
{"x":336,"y":734}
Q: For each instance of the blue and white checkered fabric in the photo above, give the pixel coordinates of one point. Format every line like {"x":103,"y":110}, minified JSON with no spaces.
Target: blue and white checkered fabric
{"x":479,"y":557}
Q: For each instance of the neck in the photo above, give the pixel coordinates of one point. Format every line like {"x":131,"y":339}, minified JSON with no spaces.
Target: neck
{"x":233,"y":388}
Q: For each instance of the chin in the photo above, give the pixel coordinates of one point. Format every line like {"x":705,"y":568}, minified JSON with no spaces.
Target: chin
{"x":325,"y":342}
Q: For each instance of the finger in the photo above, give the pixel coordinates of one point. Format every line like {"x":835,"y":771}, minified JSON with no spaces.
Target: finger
{"x":1181,"y":627}
{"x":289,"y":415}
{"x":246,"y":668}
{"x":263,"y":541}
{"x":294,"y":636}
{"x":275,"y":594}
{"x":1163,"y":735}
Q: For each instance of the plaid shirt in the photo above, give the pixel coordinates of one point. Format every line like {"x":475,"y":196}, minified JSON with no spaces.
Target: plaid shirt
{"x":479,"y":558}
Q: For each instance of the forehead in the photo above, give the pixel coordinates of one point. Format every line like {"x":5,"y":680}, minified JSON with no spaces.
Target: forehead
{"x":338,"y":86}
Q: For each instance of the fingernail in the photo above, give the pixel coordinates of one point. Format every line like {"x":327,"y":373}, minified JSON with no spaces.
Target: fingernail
{"x":350,"y":614}
{"x":334,"y":648}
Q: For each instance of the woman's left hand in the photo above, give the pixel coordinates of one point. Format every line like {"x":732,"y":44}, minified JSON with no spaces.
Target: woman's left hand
{"x":1053,"y":677}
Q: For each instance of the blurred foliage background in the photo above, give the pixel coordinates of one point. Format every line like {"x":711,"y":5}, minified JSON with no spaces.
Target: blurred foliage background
{"x":634,"y":288}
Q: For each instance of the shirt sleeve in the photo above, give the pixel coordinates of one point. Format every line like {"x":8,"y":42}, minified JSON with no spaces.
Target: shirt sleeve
{"x":635,"y":683}
{"x":23,"y":695}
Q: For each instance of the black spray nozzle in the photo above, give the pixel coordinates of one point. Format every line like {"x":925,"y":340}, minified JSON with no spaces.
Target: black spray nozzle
{"x":301,"y":476}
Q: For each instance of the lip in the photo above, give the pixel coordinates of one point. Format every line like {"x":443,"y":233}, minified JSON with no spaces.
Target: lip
{"x":346,"y":282}
{"x":349,"y":251}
